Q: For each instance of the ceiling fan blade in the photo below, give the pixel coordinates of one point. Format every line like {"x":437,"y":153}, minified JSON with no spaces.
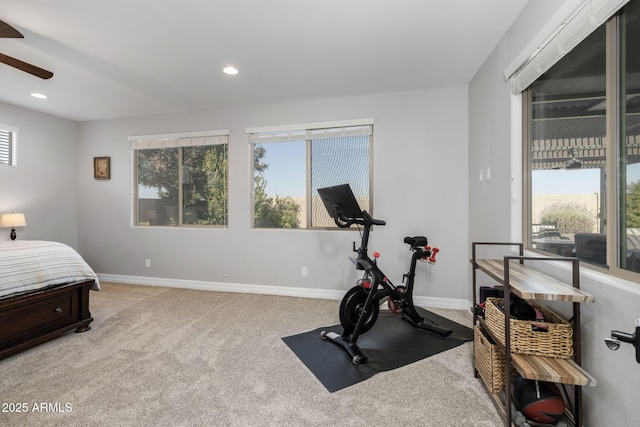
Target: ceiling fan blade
{"x":8,"y":32}
{"x":31,"y":69}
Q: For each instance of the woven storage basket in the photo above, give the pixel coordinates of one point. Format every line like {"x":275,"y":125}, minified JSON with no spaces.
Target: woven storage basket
{"x":488,"y":360}
{"x":527,"y":336}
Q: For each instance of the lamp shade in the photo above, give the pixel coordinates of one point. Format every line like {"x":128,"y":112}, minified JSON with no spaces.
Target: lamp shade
{"x":12,"y":220}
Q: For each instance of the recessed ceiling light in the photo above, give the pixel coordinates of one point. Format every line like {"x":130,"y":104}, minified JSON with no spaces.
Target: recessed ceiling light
{"x":39,"y":95}
{"x":230,"y":70}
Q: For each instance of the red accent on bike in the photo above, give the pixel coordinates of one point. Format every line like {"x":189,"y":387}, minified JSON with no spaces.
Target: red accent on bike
{"x":434,"y":251}
{"x":366,"y":284}
{"x":376,"y":254}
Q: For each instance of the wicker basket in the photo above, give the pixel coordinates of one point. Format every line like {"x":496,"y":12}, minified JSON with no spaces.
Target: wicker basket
{"x":529,"y":337}
{"x":488,"y":360}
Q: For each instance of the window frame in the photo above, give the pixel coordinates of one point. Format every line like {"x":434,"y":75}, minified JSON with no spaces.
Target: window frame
{"x":302,"y":129}
{"x":613,"y":190}
{"x":157,"y":141}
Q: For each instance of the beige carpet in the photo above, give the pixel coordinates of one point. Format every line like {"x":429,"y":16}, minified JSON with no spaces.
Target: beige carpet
{"x":170,"y":357}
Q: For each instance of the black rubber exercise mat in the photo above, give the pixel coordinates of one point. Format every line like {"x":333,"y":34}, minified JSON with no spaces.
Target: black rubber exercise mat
{"x":390,"y":344}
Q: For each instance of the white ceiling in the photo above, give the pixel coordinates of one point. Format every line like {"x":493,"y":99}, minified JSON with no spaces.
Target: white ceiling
{"x":118,"y":58}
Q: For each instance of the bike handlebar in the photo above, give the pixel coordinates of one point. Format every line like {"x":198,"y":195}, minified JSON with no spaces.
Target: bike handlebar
{"x":366,"y":220}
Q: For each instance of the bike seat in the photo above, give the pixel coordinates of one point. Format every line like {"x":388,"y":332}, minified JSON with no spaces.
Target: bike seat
{"x":416,"y":241}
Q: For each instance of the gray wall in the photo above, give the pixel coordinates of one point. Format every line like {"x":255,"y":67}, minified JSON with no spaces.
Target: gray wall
{"x":420,"y":187}
{"x":44,"y":184}
{"x":495,"y":216}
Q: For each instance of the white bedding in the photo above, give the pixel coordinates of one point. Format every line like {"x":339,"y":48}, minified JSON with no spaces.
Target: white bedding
{"x":27,"y":265}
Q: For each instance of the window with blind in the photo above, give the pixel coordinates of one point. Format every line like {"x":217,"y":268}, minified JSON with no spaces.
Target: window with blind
{"x":582,"y":148}
{"x":181,"y":179}
{"x":290,"y":164}
{"x":8,"y":145}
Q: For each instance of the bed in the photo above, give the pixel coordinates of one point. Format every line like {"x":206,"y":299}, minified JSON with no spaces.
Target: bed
{"x":44,"y":293}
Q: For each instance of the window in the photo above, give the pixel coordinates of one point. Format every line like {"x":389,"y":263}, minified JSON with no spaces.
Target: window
{"x":291,"y":163}
{"x":8,"y":143}
{"x":582,"y":148}
{"x":181,"y":180}
{"x":629,"y":138}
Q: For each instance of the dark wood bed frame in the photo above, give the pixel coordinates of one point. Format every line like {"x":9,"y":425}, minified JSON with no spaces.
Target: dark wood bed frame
{"x":29,"y":319}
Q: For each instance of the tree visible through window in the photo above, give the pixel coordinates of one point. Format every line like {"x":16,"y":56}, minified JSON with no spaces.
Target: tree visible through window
{"x":281,"y":209}
{"x":182,"y":182}
{"x":290,"y":166}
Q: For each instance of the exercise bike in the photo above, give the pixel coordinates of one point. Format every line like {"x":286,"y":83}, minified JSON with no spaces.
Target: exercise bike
{"x":360,"y":306}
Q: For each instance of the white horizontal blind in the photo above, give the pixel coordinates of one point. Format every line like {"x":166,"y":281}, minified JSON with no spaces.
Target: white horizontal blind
{"x":572,"y":24}
{"x":307,"y":134}
{"x":8,"y":145}
{"x":190,"y":139}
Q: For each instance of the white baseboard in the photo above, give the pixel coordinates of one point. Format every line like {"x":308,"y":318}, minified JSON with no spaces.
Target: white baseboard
{"x":447,"y":303}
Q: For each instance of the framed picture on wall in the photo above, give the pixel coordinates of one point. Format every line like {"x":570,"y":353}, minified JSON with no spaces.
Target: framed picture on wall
{"x":102,"y":167}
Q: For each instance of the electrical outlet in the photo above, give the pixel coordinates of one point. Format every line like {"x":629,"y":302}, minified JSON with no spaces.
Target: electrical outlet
{"x":481,"y":174}
{"x":487,"y":174}
{"x":304,"y":271}
{"x":147,"y":263}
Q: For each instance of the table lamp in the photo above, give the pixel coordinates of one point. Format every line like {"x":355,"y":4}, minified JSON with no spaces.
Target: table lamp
{"x":12,"y":220}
